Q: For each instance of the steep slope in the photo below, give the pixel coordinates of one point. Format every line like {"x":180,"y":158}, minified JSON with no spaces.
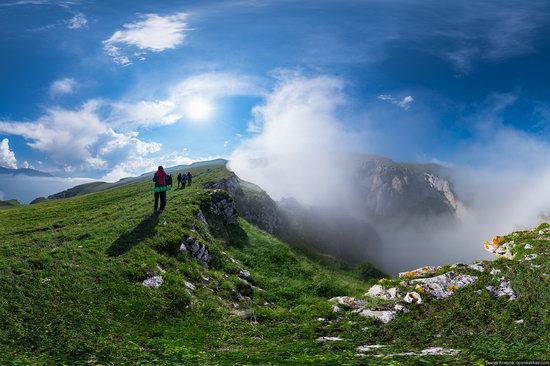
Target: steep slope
{"x":98,"y":279}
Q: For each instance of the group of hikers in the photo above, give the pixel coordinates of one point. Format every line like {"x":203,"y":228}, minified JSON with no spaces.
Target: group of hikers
{"x":163,"y":183}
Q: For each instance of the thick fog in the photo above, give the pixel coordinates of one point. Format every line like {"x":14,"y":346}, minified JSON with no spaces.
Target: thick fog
{"x":300,"y":149}
{"x":25,"y":188}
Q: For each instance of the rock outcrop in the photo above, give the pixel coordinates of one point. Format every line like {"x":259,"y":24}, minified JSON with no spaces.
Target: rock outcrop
{"x":252,"y":203}
{"x":196,"y":250}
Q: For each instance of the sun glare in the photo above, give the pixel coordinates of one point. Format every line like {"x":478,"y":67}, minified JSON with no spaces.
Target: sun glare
{"x":198,"y":109}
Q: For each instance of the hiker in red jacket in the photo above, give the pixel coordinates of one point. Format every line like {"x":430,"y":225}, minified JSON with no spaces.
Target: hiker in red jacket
{"x":161,"y":187}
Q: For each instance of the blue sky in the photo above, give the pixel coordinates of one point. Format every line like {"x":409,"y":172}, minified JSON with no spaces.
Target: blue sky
{"x":108,"y":89}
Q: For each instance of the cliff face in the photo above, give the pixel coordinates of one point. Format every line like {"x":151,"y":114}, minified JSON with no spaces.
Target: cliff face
{"x":392,"y":190}
{"x":253,"y":203}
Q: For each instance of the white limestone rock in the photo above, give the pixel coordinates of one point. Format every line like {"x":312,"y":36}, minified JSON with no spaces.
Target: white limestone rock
{"x":503,"y":290}
{"x":385,"y":316}
{"x":413,"y":296}
{"x":444,"y":285}
{"x":368,"y":348}
{"x":349,"y":302}
{"x":420,"y":271}
{"x":477,"y":267}
{"x":153,"y":282}
{"x":330,"y":339}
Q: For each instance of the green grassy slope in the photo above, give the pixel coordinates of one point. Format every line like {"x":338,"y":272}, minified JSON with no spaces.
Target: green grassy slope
{"x":71,"y":275}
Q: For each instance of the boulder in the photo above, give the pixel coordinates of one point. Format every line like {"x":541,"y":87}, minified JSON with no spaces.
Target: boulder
{"x":377,"y":291}
{"x":369,"y":347}
{"x":385,"y":316}
{"x":444,"y":285}
{"x":153,"y":282}
{"x":413,"y":296}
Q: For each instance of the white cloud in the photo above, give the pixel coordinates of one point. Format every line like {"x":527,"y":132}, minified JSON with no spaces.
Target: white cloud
{"x":208,"y":87}
{"x":299,"y":135}
{"x":78,"y":21}
{"x":152,"y":33}
{"x":79,"y":140}
{"x":7,"y":156}
{"x":63,"y":86}
{"x":404,"y":103}
{"x":144,"y":113}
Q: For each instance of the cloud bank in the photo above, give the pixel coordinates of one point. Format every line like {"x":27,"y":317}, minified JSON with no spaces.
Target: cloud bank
{"x":300,"y":151}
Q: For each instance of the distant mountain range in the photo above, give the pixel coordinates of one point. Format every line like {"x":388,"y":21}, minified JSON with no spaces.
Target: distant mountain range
{"x":24,"y":171}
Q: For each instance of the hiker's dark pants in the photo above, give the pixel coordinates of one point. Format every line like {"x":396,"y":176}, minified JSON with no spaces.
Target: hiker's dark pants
{"x":162,"y":196}
{"x":188,"y":182}
{"x":179,"y":183}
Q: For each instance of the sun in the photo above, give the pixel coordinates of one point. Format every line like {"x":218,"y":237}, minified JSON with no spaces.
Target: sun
{"x":198,"y":109}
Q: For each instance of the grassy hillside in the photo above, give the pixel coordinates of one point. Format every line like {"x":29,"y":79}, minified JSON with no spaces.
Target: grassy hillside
{"x":71,"y":274}
{"x":5,"y":205}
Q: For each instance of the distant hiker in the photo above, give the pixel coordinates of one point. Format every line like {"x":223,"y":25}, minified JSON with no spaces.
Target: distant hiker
{"x":179,"y":181}
{"x":161,"y":186}
{"x":189,"y":178}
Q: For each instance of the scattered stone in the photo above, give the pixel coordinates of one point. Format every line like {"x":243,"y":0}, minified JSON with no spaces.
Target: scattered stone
{"x":244,"y":273}
{"x":189,"y":285}
{"x":399,"y":307}
{"x":457,"y":265}
{"x":159,"y":268}
{"x":196,"y":250}
{"x":336,"y":309}
{"x":245,"y":288}
{"x":385,"y":316}
{"x":330,"y":339}
{"x":432,"y":351}
{"x":321,"y":319}
{"x":364,"y":329}
{"x":369,"y":347}
{"x":45,"y":280}
{"x":438,"y":351}
{"x":503,"y":290}
{"x":530,"y":257}
{"x":205,"y":280}
{"x":528,"y":246}
{"x":444,"y":285}
{"x":495,"y":272}
{"x":536,"y":266}
{"x":477,"y":267}
{"x":519,"y":321}
{"x":392,"y":292}
{"x":153,"y":282}
{"x":348,"y":301}
{"x":541,"y":232}
{"x":413,"y":296}
{"x":377,"y":291}
{"x":420,"y":271}
{"x":235,"y":305}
